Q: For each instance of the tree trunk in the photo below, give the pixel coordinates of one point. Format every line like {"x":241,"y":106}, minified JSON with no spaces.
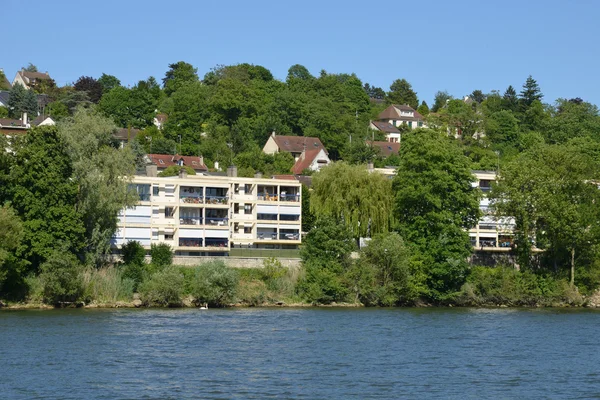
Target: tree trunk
{"x":573,"y":267}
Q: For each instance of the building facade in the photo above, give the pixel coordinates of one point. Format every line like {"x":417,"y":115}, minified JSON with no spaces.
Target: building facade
{"x":205,"y":215}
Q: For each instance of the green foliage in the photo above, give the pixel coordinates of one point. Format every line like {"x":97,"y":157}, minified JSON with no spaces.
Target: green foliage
{"x":401,"y":92}
{"x":362,"y":199}
{"x":214,"y":283}
{"x":16,"y":100}
{"x":162,"y":255}
{"x":531,"y":92}
{"x":3,"y":112}
{"x":133,"y":107}
{"x":57,"y":110}
{"x":91,"y":86}
{"x":11,"y":267}
{"x":61,"y":278}
{"x":164,"y":288}
{"x":308,"y":218}
{"x":174,"y":170}
{"x":108,"y":82}
{"x":504,"y":285}
{"x":423,"y":109}
{"x":179,"y":74}
{"x":133,"y":253}
{"x":435,"y":206}
{"x":440,"y":100}
{"x":4,"y":84}
{"x":106,"y":286}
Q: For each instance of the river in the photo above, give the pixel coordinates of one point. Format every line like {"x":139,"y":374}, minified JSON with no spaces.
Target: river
{"x":311,"y":353}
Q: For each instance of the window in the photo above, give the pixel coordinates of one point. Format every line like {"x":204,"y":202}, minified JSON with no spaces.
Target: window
{"x":155,"y":190}
{"x":168,"y":236}
{"x":248,"y":188}
{"x":247,"y":209}
{"x":169,"y":212}
{"x":161,"y":162}
{"x":420,"y":123}
{"x":410,"y":124}
{"x":247,"y":229}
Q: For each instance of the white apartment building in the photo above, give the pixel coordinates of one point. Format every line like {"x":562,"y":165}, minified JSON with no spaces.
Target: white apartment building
{"x":204,"y":215}
{"x":491,"y":233}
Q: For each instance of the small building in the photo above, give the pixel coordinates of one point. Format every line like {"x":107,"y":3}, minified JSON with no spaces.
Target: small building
{"x":124,"y":135}
{"x":163,"y":161}
{"x":30,"y":80}
{"x":308,"y":152}
{"x":10,"y":127}
{"x":385,"y":149}
{"x":392,"y":134}
{"x":43,"y":120}
{"x":398,"y":115}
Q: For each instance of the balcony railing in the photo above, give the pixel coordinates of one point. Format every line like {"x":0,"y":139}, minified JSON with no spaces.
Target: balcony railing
{"x":217,"y":221}
{"x":289,"y":236}
{"x":267,"y":236}
{"x":191,"y":200}
{"x":485,"y":188}
{"x":190,"y":221}
{"x":190,"y":242}
{"x":267,"y":196}
{"x":290,"y":197}
{"x":216,"y":199}
{"x":144,"y":196}
{"x":216,"y":243}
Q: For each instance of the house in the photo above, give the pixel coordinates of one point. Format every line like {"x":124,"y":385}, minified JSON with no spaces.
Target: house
{"x":162,"y":161}
{"x":43,"y":120}
{"x":160,"y":120}
{"x":124,"y":135}
{"x":385,"y":149}
{"x":398,"y":115}
{"x":30,"y":80}
{"x":392,"y":134}
{"x":11,"y":127}
{"x":308,"y":152}
{"x":209,"y":215}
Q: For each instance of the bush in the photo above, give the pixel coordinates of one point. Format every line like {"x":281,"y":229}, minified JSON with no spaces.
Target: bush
{"x":214,"y":283}
{"x":61,"y":278}
{"x":133,"y":253}
{"x":174,"y":170}
{"x":165,"y":288}
{"x":162,"y":256}
{"x":106,"y":285}
{"x":322,"y":285}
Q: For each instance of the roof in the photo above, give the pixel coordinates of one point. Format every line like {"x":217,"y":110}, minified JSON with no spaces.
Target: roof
{"x":161,"y":118}
{"x":386,"y":149}
{"x":39,"y":119}
{"x":9,"y":122}
{"x":393,"y":112}
{"x":305,"y":160}
{"x":297,"y":144}
{"x":385,"y":126}
{"x":167,"y":160}
{"x":4,"y":96}
{"x":305,"y":180}
{"x":34,"y":75}
{"x":126,"y":134}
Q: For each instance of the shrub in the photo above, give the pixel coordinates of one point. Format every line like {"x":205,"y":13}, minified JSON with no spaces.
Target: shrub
{"x":174,"y":170}
{"x":133,"y":253}
{"x":162,"y":255}
{"x":273,"y":274}
{"x":106,"y":285}
{"x":214,"y":283}
{"x":164,"y":288}
{"x":61,"y":278}
{"x":322,"y":285}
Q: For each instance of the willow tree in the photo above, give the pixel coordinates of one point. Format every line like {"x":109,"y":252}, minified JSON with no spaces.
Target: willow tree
{"x":350,"y":193}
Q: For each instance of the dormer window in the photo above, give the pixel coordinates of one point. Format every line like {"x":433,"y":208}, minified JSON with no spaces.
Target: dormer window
{"x":161,"y":162}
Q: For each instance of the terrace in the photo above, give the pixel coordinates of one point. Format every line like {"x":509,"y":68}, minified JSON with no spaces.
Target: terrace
{"x":191,"y":195}
{"x":216,"y":217}
{"x":216,"y":196}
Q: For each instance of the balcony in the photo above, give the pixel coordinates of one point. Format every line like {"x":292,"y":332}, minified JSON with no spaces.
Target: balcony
{"x":190,"y":242}
{"x":190,"y":221}
{"x":290,"y":197}
{"x":289,"y":236}
{"x":217,"y":221}
{"x":216,"y":200}
{"x":191,"y":200}
{"x":267,"y":197}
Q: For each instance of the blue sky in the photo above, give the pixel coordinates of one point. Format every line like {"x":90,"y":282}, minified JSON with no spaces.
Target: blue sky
{"x":457,"y":46}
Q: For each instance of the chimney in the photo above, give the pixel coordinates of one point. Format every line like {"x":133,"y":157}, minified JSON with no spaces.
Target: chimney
{"x":216,"y":166}
{"x":232,"y":171}
{"x":24,"y":118}
{"x":273,"y":134}
{"x":370,"y":166}
{"x":182,"y":173}
{"x":201,"y":160}
{"x":151,"y":171}
{"x":258,"y":175}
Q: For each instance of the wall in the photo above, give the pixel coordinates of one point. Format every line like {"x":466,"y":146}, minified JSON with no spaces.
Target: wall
{"x":235,"y":262}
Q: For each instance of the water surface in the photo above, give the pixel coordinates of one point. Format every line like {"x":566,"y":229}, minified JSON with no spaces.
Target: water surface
{"x":300,"y":354}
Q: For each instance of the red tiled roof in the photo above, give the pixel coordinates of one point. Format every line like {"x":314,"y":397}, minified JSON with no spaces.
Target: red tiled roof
{"x":305,"y":162}
{"x":167,"y":160}
{"x":386,"y":149}
{"x":385,"y":126}
{"x":34,"y":75}
{"x":8,"y":123}
{"x":296,"y":144}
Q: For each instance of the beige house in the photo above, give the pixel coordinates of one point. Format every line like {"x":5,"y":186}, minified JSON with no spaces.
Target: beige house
{"x":398,"y":115}
{"x":308,"y":152}
{"x":29,"y":79}
{"x":392,"y":134}
{"x":204,"y":215}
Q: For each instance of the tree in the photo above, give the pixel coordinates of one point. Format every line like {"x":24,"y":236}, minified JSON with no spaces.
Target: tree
{"x":502,"y":127}
{"x":308,"y":218}
{"x":179,"y":74}
{"x":92,"y":87}
{"x":44,"y":196}
{"x":423,"y":109}
{"x":477,"y":96}
{"x":30,"y":68}
{"x":16,"y":100}
{"x":510,"y":99}
{"x":551,"y":194}
{"x":374,"y":92}
{"x":108,"y":82}
{"x":298,"y":71}
{"x":440,"y":100}
{"x":530,"y":93}
{"x":101,"y":173}
{"x":435,"y":205}
{"x":11,"y":232}
{"x":30,"y":105}
{"x":401,"y":92}
{"x":361,"y":200}
{"x":129,"y":107}
{"x":4,"y":83}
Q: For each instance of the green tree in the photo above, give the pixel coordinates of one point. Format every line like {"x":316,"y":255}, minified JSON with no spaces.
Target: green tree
{"x":16,"y":100}
{"x":300,"y":72}
{"x":162,"y":255}
{"x":214,"y":283}
{"x":435,"y":205}
{"x":423,"y":109}
{"x":361,"y":199}
{"x":11,"y":232}
{"x":108,"y":82}
{"x":308,"y":218}
{"x":502,"y":127}
{"x":510,"y":99}
{"x":61,"y":278}
{"x":57,"y":110}
{"x":401,"y":92}
{"x":30,"y":68}
{"x":30,"y":104}
{"x":530,"y":93}
{"x":179,"y":74}
{"x":4,"y":83}
{"x":440,"y":100}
